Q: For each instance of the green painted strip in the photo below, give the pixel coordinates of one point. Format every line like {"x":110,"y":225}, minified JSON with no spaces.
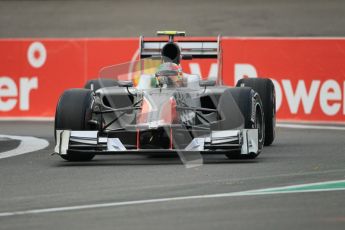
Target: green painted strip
{"x":328,"y":185}
{"x":318,"y":187}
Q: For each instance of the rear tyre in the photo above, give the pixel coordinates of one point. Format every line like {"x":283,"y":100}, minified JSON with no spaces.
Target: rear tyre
{"x":73,"y":111}
{"x":265,"y":88}
{"x":247,"y":100}
{"x":96,"y":84}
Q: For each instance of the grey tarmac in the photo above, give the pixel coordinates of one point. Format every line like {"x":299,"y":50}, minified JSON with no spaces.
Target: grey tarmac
{"x":38,"y":180}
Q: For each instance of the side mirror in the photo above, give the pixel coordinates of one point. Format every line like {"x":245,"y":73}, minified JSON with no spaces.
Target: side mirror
{"x":125,"y":84}
{"x":187,"y":57}
{"x":205,"y":83}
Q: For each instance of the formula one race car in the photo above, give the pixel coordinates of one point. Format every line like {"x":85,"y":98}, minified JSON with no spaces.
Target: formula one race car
{"x":150,"y":106}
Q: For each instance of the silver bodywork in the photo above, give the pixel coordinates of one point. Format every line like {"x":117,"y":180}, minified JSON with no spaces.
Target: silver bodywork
{"x":206,"y":120}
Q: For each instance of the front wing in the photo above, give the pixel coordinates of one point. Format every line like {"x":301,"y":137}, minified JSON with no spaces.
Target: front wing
{"x":216,"y":142}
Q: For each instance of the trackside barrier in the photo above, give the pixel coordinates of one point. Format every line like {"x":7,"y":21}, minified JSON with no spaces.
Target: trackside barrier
{"x":308,"y":73}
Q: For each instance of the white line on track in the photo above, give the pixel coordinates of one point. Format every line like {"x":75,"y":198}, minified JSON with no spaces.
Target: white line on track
{"x":299,"y":126}
{"x":268,"y":191}
{"x":27,"y":145}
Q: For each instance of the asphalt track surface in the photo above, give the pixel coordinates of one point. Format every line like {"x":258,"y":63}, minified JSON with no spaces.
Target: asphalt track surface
{"x":122,"y":18}
{"x":37,"y":180}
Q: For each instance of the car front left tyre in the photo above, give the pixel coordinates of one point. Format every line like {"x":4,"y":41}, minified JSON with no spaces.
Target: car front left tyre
{"x":73,"y":112}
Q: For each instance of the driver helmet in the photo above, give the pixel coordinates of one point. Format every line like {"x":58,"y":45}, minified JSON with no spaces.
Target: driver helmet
{"x":169,"y":74}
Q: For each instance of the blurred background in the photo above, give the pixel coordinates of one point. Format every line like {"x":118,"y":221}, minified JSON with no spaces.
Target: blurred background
{"x":124,"y":18}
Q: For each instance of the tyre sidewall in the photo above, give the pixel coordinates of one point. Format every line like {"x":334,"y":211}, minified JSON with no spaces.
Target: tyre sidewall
{"x":249,"y":102}
{"x":265,"y":88}
{"x":73,"y":112}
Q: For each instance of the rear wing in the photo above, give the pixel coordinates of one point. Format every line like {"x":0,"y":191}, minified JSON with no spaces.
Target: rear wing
{"x":189,"y":47}
{"x":192,"y":47}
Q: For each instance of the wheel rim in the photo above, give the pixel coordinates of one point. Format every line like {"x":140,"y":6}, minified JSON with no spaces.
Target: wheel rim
{"x":259,"y":123}
{"x":274,"y":111}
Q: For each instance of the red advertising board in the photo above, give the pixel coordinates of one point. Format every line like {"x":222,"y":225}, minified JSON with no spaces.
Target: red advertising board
{"x":34,"y":73}
{"x":309,"y":74}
